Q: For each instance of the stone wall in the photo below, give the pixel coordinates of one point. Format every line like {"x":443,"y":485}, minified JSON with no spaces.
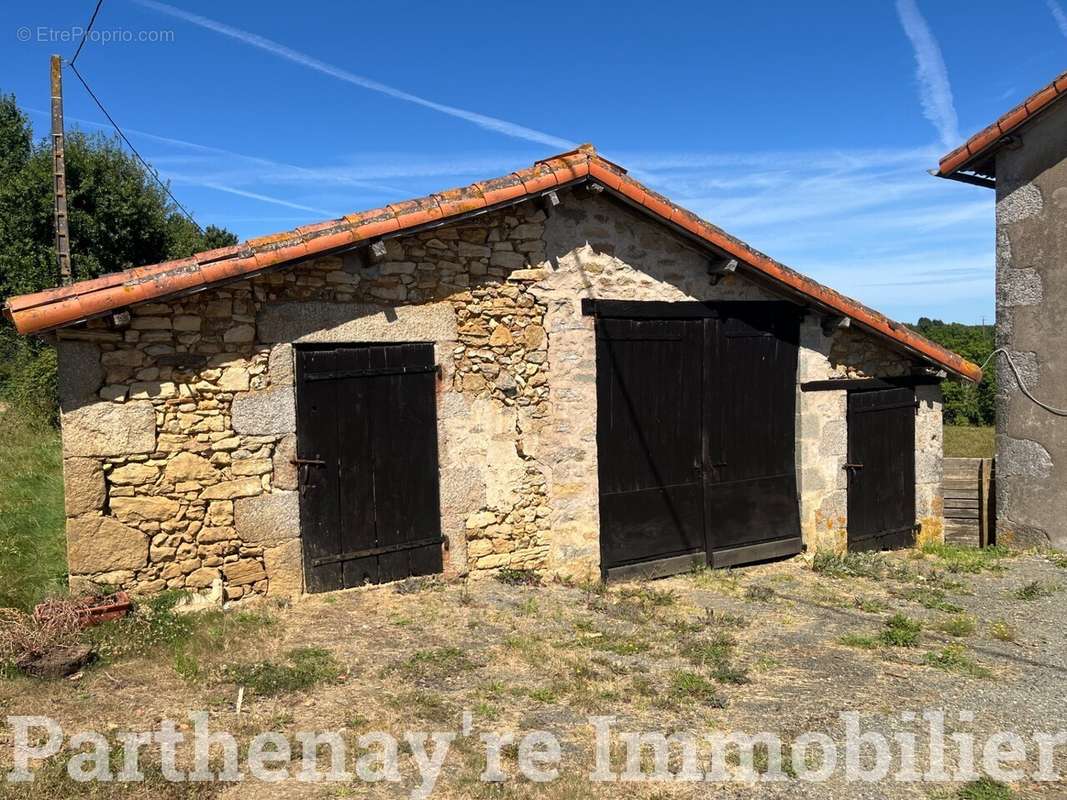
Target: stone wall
{"x":1031,"y":251}
{"x":179,"y":430}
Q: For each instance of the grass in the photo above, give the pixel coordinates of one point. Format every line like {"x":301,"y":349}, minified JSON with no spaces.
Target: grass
{"x":715,"y":654}
{"x":967,"y":441}
{"x":438,"y":662}
{"x":875,"y":566}
{"x":189,"y":639}
{"x":1034,"y":590}
{"x":954,"y":658}
{"x":32,"y":545}
{"x":900,"y":631}
{"x":985,"y":789}
{"x":693,"y":687}
{"x":968,"y":560}
{"x":958,"y":625}
{"x":859,"y":640}
{"x":306,"y":667}
{"x":934,"y":599}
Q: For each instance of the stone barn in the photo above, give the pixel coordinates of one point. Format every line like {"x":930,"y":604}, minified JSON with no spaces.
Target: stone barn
{"x":556,"y":370}
{"x":1023,"y":157}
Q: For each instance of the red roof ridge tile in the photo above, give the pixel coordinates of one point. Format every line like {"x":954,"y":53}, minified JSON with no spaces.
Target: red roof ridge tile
{"x":68,"y":305}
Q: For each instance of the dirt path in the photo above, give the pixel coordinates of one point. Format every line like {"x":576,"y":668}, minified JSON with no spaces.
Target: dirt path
{"x":777,"y":648}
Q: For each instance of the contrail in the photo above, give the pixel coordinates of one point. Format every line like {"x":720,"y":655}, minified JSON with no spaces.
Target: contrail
{"x":1059,"y":15}
{"x":935,"y":92}
{"x":256,"y":196}
{"x":206,"y":148}
{"x":280,"y":50}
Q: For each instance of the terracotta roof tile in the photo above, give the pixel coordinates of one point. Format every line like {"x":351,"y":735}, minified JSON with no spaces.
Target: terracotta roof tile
{"x":56,"y":308}
{"x":985,"y":142}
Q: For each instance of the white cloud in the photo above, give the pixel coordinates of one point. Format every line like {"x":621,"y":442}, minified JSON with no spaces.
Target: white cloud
{"x":481,"y":120}
{"x":1059,"y":15}
{"x":935,"y":92}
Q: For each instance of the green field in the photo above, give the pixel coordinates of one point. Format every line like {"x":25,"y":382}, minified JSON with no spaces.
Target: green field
{"x":32,"y":546}
{"x":968,"y":441}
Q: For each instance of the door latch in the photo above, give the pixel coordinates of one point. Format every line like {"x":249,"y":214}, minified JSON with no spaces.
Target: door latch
{"x":302,"y":465}
{"x":852,"y":466}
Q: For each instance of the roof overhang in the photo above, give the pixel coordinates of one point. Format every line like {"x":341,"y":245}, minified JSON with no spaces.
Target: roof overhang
{"x":70,"y":305}
{"x":974,"y":161}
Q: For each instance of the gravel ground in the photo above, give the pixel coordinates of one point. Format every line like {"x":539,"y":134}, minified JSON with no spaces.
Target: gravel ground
{"x":777,"y":647}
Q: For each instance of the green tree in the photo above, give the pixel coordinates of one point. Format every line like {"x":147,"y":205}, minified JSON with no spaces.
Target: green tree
{"x":965,"y":404}
{"x":119,"y":218}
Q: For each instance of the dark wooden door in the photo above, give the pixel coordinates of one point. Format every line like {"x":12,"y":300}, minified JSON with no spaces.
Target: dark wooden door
{"x":881,"y":469}
{"x":695,"y":434}
{"x":367,"y":445}
{"x":751,"y":500}
{"x":648,"y":440}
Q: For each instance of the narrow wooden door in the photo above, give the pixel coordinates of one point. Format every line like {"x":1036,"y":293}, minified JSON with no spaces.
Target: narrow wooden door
{"x":649,"y":442}
{"x":881,"y":469}
{"x":367,"y":464}
{"x":752,"y":510}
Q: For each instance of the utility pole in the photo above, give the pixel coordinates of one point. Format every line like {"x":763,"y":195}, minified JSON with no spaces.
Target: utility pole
{"x":59,"y":173}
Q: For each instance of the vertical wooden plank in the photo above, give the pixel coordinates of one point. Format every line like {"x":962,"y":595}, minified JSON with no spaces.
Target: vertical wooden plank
{"x":983,"y":502}
{"x":424,"y":492}
{"x":317,"y":439}
{"x":355,"y":471}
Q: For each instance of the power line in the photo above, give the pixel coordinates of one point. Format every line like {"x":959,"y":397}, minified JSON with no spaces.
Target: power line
{"x":129,"y":144}
{"x":88,"y":29}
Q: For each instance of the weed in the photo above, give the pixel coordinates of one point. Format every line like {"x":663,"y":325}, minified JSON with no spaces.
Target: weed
{"x":870,"y":605}
{"x":759,"y":594}
{"x":617,"y":643}
{"x":543,"y":694}
{"x":985,"y":789}
{"x":1034,"y":590}
{"x":423,"y":704}
{"x":528,"y":607}
{"x":874,"y":566}
{"x":1003,"y":631}
{"x":648,"y":596}
{"x":959,"y":625}
{"x":954,"y":658}
{"x":437,"y":662}
{"x":971,"y":560}
{"x":860,"y":640}
{"x":716,"y":655}
{"x":723,"y":619}
{"x":1057,"y":558}
{"x":900,"y":631}
{"x":933,"y":598}
{"x":690,"y":686}
{"x":306,"y":667}
{"x":518,"y":577}
{"x":416,"y":585}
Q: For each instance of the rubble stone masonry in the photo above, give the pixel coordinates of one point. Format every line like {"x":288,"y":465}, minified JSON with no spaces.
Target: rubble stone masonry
{"x":179,"y":430}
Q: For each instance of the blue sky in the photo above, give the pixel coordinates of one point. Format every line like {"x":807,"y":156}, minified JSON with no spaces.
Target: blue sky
{"x":804,"y":128}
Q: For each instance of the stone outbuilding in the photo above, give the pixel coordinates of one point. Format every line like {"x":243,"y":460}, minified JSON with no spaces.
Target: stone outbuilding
{"x":1023,"y":157}
{"x":556,"y":370}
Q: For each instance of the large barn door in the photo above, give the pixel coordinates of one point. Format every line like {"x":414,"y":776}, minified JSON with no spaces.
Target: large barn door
{"x":695,"y":434}
{"x":367,"y":444}
{"x":649,"y":444}
{"x":752,"y":509}
{"x":881,"y":469}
